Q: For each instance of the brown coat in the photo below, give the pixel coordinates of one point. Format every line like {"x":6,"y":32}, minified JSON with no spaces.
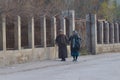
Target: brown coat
{"x":62,"y":41}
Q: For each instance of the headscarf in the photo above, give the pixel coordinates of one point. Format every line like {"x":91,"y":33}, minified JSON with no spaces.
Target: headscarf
{"x":75,"y":32}
{"x":61,"y":31}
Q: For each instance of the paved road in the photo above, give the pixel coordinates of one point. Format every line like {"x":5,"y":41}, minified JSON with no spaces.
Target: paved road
{"x":98,"y":67}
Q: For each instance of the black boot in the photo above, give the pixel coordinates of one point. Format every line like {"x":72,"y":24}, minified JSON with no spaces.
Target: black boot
{"x":74,"y":58}
{"x":63,"y":59}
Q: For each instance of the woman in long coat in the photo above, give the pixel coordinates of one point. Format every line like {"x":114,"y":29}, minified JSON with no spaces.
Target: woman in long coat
{"x":61,"y":41}
{"x":75,"y":45}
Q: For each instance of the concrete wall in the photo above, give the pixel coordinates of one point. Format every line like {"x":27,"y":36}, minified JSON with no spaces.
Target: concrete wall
{"x":111,"y":41}
{"x":20,"y":54}
{"x":28,"y":55}
{"x":102,"y":36}
{"x":105,"y":48}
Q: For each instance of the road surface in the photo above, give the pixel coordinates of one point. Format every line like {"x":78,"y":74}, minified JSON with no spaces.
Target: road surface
{"x":96,"y":67}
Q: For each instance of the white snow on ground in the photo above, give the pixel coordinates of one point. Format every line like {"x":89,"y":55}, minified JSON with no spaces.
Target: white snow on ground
{"x":96,"y":67}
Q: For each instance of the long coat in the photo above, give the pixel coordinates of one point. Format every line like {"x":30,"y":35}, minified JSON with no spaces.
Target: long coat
{"x":62,"y":46}
{"x":74,"y":51}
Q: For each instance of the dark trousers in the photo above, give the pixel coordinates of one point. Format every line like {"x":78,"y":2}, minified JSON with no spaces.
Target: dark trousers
{"x":75,"y":58}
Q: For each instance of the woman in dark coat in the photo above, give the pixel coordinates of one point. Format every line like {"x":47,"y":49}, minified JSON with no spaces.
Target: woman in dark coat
{"x":75,"y":45}
{"x":61,"y":41}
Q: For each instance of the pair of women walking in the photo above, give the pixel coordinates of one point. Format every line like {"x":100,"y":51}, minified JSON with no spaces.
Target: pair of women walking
{"x":62,"y":41}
